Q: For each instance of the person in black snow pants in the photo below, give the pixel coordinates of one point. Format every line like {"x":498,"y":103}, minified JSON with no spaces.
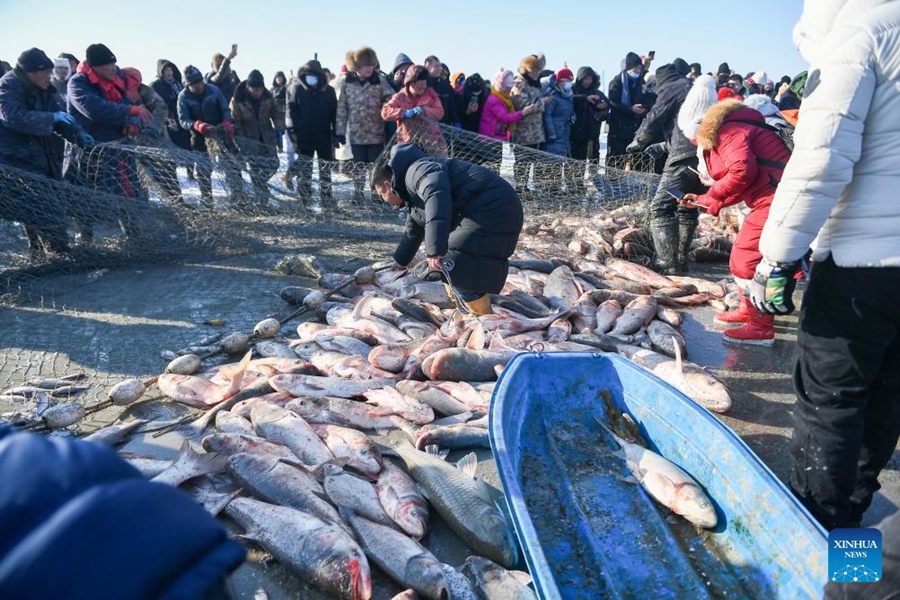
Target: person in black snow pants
{"x":461,"y":211}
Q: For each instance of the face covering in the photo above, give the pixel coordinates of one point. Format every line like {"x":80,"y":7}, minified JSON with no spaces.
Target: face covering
{"x":311,"y":80}
{"x":633,"y":75}
{"x":568,"y":86}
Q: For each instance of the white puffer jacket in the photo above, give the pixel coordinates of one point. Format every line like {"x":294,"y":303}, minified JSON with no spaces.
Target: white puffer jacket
{"x":842,"y":183}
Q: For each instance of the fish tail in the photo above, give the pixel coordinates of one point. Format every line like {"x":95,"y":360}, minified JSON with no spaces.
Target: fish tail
{"x":235,"y":385}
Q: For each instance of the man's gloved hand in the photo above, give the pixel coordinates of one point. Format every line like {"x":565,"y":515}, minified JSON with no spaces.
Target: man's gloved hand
{"x":340,"y":139}
{"x":654,"y":151}
{"x":634,"y":146}
{"x":141,"y":113}
{"x":85,"y":140}
{"x":228,"y":127}
{"x":64,"y":118}
{"x":772,"y":287}
{"x":202,"y":128}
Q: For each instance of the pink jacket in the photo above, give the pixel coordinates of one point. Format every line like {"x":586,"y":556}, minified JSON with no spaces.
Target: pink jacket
{"x":495,"y":119}
{"x":424,"y":129}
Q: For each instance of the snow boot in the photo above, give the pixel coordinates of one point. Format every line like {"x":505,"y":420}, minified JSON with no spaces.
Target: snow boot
{"x":480,"y":306}
{"x":759,"y":331}
{"x":665,"y":240}
{"x":740,"y":315}
{"x":685,"y":237}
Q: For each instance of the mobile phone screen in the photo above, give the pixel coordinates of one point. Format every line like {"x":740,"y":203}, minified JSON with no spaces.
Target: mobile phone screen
{"x":675,"y":193}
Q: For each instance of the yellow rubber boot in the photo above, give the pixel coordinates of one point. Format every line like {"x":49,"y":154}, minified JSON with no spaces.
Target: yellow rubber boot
{"x":480,"y":306}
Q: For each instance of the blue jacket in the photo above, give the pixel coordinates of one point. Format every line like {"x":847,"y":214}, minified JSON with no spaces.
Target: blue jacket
{"x":29,"y":139}
{"x":558,"y":118}
{"x":98,"y":116}
{"x":77,"y":509}
{"x":209,"y":106}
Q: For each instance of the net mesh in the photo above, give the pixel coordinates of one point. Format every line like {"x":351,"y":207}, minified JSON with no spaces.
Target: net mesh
{"x":146,"y":247}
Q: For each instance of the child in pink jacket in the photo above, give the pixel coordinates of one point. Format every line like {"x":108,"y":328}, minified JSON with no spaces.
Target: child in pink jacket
{"x":417,"y":109}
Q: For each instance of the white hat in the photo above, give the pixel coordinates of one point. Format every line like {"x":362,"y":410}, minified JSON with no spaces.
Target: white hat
{"x":701,"y":96}
{"x":762,"y":103}
{"x":63,"y":63}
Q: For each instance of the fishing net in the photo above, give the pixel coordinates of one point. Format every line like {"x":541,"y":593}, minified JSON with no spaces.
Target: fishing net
{"x":147,"y":247}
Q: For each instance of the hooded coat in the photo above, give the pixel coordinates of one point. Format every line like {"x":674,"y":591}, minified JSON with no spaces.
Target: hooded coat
{"x":460,"y":210}
{"x":661,"y":120}
{"x":475,"y":91}
{"x":256,"y":120}
{"x":588,"y":117}
{"x":169,"y":93}
{"x":311,"y":110}
{"x":558,"y":118}
{"x":623,"y":123}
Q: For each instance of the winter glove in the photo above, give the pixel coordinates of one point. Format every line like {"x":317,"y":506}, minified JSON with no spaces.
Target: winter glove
{"x":85,"y":140}
{"x":654,"y":151}
{"x":772,"y":287}
{"x":64,"y":118}
{"x":340,"y":139}
{"x":202,"y":128}
{"x":141,"y":113}
{"x":228,"y":127}
{"x":634,"y":146}
{"x":410,"y":113}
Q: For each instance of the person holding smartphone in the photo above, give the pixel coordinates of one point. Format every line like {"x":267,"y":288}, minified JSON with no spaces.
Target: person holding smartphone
{"x":745,"y":159}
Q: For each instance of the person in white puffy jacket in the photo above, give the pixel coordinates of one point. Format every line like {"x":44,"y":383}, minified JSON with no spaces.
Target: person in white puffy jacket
{"x":840,"y":196}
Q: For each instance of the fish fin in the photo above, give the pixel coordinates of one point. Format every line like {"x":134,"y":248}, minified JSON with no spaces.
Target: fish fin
{"x":630,"y":426}
{"x":679,"y":364}
{"x":468,"y":464}
{"x":235,"y":386}
{"x":436,"y":452}
{"x":522,"y":577}
{"x":248,"y":536}
{"x":609,"y":430}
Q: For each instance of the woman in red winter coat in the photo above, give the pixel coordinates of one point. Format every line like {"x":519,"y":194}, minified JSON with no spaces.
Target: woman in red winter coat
{"x":745,"y":159}
{"x":417,"y":109}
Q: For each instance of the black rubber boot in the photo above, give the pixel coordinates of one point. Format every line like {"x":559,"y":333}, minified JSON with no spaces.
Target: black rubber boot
{"x":686,"y":231}
{"x":665,"y":241}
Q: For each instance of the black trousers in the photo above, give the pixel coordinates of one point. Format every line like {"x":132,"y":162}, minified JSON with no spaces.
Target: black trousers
{"x":847,"y":379}
{"x":586,"y":149}
{"x":303,"y":166}
{"x":363,"y":154}
{"x":664,"y":210}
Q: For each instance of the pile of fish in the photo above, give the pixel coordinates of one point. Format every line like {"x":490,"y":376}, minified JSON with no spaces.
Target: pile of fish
{"x":622,"y":233}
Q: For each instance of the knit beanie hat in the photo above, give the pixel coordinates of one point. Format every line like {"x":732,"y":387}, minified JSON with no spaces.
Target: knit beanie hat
{"x":255,"y":79}
{"x":502,"y":75}
{"x":762,"y":103}
{"x":415,"y":73}
{"x":632,"y":60}
{"x":724,"y":69}
{"x":681,"y":66}
{"x":192,"y":75}
{"x":98,"y":54}
{"x":726,"y":92}
{"x":699,"y":98}
{"x":33,"y":60}
{"x":565,"y":73}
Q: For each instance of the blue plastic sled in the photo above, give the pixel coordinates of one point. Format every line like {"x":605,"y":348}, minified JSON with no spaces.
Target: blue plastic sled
{"x":589,"y":531}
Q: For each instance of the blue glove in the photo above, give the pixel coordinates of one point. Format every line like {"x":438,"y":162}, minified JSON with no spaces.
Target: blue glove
{"x":85,"y":139}
{"x":410,"y":113}
{"x":64,"y":118}
{"x":772,"y":287}
{"x":418,"y":110}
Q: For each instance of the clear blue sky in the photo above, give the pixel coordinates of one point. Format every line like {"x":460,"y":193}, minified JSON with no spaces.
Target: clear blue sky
{"x":468,"y":36}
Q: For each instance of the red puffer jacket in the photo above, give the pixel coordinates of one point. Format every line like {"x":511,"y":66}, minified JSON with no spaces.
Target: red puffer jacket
{"x":745,"y":159}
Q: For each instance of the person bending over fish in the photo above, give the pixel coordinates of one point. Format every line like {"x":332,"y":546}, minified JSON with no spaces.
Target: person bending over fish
{"x":462,"y":211}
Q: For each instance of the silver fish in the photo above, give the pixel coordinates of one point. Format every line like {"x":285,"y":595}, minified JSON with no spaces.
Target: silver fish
{"x":189,"y":464}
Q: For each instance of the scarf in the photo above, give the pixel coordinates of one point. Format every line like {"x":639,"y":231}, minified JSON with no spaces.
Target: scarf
{"x":626,"y":90}
{"x":504,"y":128}
{"x":112,"y":90}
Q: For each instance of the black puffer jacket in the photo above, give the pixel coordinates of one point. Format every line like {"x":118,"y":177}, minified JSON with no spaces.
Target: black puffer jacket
{"x":311,"y":111}
{"x":460,"y":210}
{"x":448,"y":99}
{"x":661,"y":120}
{"x":475,"y":91}
{"x":588,"y":117}
{"x":622,"y":122}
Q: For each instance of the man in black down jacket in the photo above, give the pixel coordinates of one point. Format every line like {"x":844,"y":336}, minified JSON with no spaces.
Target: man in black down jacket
{"x":310,"y":121}
{"x":461,"y":211}
{"x":628,"y":103}
{"x":671,"y":225}
{"x":33,"y":127}
{"x":441,"y":85}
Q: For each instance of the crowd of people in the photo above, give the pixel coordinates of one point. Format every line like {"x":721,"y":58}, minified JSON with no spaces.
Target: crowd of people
{"x":721,"y":139}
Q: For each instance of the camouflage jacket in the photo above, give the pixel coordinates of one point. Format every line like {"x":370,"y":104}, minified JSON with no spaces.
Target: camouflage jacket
{"x":530,"y":130}
{"x":359,"y":108}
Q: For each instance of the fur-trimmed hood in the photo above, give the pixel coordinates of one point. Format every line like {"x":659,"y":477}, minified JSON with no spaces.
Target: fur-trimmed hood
{"x":718,"y":115}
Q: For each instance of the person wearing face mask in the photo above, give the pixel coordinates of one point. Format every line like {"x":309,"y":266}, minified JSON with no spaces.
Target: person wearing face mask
{"x":257,"y":115}
{"x":671,"y":226}
{"x":559,"y":114}
{"x":475,"y":93}
{"x":628,"y":105}
{"x":417,"y":110}
{"x":360,"y":98}
{"x":311,"y":123}
{"x":33,"y":127}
